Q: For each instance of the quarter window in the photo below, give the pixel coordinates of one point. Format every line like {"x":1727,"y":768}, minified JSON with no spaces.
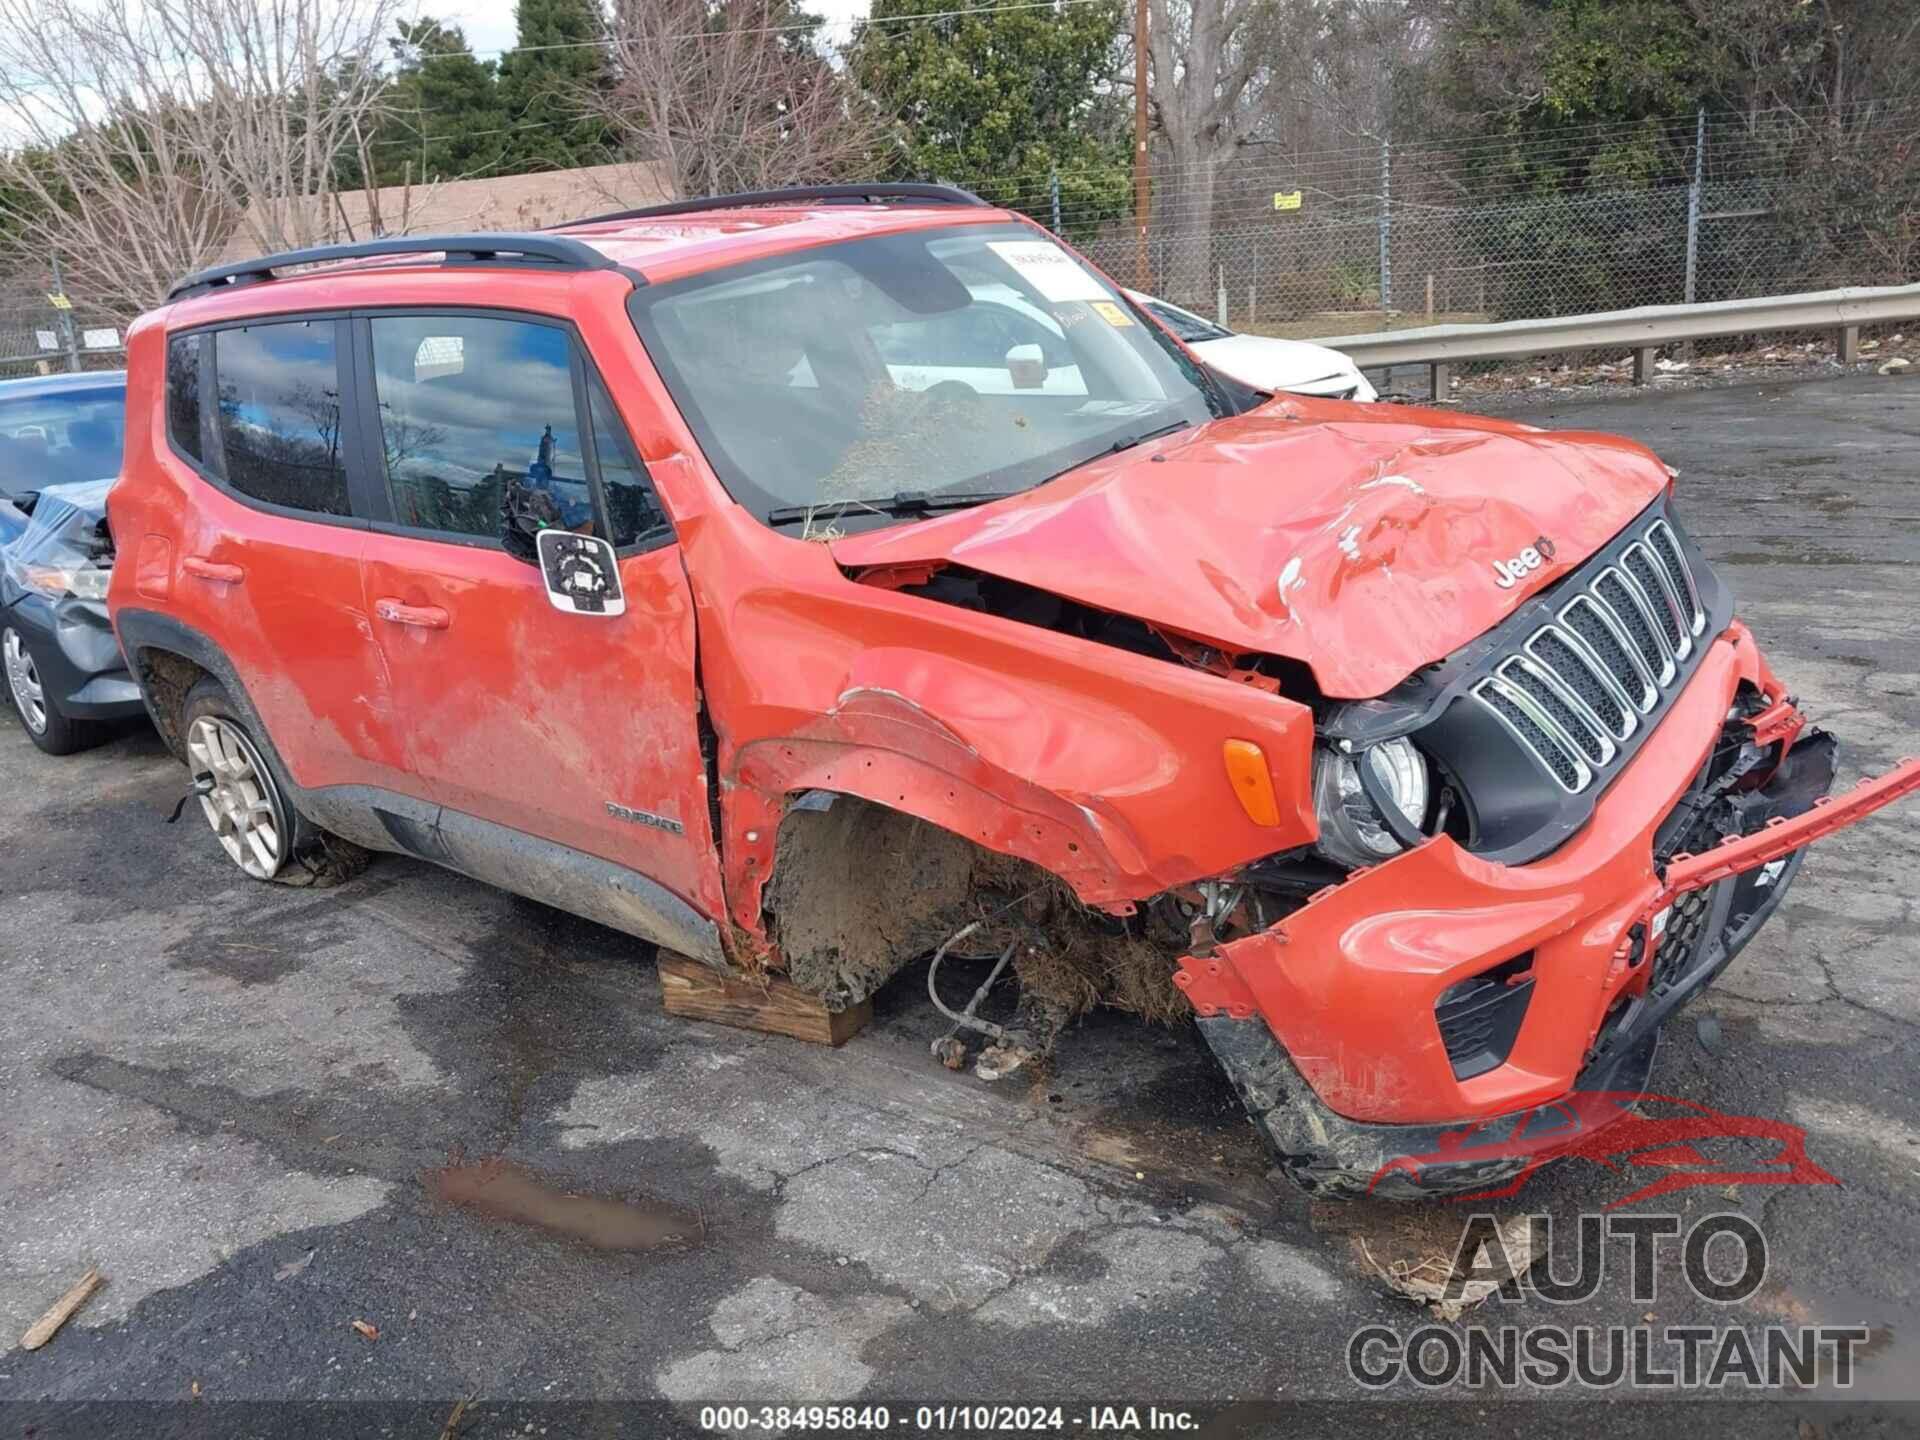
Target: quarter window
{"x":183,"y":394}
{"x":472,"y":411}
{"x":632,"y":506}
{"x":279,"y":414}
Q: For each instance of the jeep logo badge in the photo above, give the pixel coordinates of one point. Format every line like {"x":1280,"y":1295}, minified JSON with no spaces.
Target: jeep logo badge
{"x":1509,"y":573}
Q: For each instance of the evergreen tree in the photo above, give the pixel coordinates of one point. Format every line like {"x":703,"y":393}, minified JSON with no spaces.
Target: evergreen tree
{"x":445,"y":117}
{"x":1000,"y":99}
{"x":560,"y":53}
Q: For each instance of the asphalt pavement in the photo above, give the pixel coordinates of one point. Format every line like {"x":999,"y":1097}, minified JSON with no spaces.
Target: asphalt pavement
{"x":463,"y":1120}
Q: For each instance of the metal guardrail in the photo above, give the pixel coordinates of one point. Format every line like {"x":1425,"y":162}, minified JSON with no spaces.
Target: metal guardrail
{"x":1643,"y":330}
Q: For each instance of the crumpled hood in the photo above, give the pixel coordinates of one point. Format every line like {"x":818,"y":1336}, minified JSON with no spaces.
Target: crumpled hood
{"x":1359,"y":539}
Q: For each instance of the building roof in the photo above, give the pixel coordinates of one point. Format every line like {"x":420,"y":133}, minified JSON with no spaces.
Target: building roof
{"x":506,"y":202}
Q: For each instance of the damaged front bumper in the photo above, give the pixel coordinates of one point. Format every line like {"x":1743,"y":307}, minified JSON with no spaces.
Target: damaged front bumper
{"x":1331,"y":1023}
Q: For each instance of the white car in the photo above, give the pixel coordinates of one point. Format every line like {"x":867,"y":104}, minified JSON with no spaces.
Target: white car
{"x":1263,"y":363}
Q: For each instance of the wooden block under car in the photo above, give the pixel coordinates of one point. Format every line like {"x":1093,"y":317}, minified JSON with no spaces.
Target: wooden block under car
{"x":767,"y":1003}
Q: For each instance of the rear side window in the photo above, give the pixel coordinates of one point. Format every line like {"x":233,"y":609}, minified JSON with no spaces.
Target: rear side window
{"x":279,"y":414}
{"x":471,"y":406}
{"x":183,"y":395}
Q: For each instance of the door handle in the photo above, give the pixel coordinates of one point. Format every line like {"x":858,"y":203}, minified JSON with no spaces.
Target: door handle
{"x":427,"y":617}
{"x":205,"y":569}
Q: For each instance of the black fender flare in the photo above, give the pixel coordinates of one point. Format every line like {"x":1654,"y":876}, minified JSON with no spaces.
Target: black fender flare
{"x":143,"y":631}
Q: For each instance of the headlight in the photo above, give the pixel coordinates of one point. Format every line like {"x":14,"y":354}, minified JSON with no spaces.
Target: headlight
{"x":1352,"y":829}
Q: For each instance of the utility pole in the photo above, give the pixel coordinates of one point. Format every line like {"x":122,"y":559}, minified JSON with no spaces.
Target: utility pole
{"x":63,"y":305}
{"x":1053,"y":185}
{"x":1693,"y":198}
{"x":1386,"y":229}
{"x":1142,"y":280}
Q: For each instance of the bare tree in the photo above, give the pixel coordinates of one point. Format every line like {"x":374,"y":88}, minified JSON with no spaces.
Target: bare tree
{"x":723,"y":95}
{"x":144,"y":133}
{"x":1210,"y":65}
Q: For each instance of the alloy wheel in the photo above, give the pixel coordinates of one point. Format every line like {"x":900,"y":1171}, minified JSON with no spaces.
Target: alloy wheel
{"x":240,"y":803}
{"x":24,"y":680}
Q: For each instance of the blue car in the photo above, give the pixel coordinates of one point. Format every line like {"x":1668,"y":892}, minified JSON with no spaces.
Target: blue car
{"x":59,"y":454}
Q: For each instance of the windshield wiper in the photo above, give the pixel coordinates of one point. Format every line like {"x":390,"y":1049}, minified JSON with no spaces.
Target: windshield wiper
{"x":901,"y":502}
{"x":1145,"y":435}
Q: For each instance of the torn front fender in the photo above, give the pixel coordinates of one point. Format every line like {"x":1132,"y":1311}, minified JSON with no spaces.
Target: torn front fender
{"x":1100,"y":765}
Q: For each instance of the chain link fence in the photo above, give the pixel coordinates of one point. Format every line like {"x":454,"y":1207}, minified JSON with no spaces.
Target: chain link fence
{"x":45,"y":330}
{"x":1386,"y":234}
{"x":1393,"y":234}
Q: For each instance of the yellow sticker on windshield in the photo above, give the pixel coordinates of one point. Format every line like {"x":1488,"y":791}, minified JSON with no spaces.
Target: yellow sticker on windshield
{"x":1111,"y":313}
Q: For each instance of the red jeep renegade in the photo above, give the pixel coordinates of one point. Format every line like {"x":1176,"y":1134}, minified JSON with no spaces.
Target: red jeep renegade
{"x":795,"y":580}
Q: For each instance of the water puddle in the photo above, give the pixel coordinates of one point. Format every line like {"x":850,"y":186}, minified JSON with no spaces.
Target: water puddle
{"x":504,"y":1191}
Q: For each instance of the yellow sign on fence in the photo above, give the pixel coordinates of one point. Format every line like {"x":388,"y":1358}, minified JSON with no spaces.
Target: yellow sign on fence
{"x":59,"y":301}
{"x":1287,"y":199}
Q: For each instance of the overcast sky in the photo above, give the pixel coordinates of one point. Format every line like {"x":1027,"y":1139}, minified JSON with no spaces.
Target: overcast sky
{"x":489,"y":23}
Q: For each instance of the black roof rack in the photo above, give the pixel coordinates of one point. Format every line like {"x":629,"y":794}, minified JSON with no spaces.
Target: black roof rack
{"x":506,"y":248}
{"x":797,"y":195}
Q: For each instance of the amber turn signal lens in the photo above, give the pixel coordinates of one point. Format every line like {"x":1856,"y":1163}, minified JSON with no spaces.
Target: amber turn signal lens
{"x":1252,"y":782}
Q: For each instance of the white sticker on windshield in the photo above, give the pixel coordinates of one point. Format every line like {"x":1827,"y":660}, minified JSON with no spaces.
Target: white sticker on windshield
{"x":1052,"y":271}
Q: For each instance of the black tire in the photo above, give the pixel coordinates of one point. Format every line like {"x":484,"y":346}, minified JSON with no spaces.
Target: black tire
{"x":55,"y":733}
{"x":298,"y":839}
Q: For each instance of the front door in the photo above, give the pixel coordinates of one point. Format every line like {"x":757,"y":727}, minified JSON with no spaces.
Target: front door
{"x":575,"y":729}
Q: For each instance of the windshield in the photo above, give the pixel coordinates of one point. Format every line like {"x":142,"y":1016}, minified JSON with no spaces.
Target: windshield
{"x":1184,"y":323}
{"x":878,"y":377}
{"x":60,"y":439}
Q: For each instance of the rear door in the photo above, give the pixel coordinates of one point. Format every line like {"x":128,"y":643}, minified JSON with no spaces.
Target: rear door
{"x":580,"y":730}
{"x":266,"y":561}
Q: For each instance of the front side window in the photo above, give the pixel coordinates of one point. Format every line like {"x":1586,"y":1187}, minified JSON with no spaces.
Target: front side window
{"x":475,"y":411}
{"x":879,"y":377}
{"x":279,"y":414}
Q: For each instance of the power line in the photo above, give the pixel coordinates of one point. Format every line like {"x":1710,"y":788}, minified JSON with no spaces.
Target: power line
{"x":798,"y":28}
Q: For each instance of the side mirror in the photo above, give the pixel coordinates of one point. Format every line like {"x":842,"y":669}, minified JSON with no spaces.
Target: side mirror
{"x":581,"y":572}
{"x":526,"y":512}
{"x":1027,"y":367}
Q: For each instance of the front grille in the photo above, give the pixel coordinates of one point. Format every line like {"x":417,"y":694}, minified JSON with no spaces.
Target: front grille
{"x":1661,"y":538}
{"x":1571,"y":718}
{"x":1608,"y":664}
{"x":1624,"y":601}
{"x":1537,"y":733}
{"x":1559,"y":653}
{"x":1660,"y":599}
